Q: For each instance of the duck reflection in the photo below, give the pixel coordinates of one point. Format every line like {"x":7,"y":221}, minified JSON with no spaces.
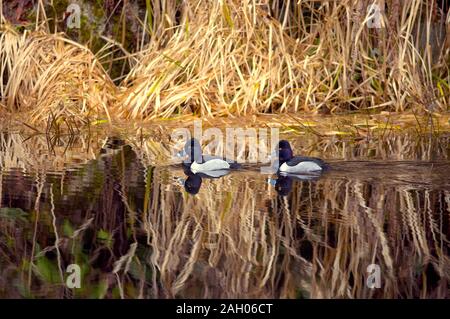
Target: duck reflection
{"x":193,"y":182}
{"x":283,"y":183}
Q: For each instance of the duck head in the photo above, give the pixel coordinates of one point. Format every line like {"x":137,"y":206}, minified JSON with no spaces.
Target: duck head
{"x":284,"y":151}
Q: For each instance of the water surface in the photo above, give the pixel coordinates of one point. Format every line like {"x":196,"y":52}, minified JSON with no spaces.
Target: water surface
{"x":142,"y":228}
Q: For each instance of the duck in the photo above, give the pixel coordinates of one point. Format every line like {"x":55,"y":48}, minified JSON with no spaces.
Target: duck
{"x":290,"y":164}
{"x":213,"y":166}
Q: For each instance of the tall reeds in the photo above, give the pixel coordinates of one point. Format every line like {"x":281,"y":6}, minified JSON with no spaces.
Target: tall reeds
{"x":234,"y":57}
{"x":43,"y":75}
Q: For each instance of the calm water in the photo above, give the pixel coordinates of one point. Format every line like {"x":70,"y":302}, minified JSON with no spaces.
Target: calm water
{"x":137,"y":230}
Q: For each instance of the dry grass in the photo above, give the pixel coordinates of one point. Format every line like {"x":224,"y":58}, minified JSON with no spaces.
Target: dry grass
{"x":231,"y":58}
{"x":225,"y":60}
{"x":48,"y":76}
{"x":234,"y":58}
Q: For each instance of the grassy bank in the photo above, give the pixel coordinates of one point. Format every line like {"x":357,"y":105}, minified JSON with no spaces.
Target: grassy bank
{"x":227,"y":58}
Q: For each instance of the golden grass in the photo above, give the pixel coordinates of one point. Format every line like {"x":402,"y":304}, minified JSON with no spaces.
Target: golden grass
{"x":47,"y":74}
{"x":230,"y":58}
{"x":224,"y":60}
{"x":234,"y":57}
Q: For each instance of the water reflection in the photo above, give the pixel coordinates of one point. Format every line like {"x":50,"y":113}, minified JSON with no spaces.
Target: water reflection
{"x":136,"y":231}
{"x":283,"y":183}
{"x":193,"y":182}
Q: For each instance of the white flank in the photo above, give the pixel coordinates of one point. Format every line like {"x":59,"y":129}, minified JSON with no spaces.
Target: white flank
{"x":211,"y":165}
{"x":302,"y":167}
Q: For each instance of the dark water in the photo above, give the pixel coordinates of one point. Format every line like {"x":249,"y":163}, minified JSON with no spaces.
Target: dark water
{"x":137,"y":231}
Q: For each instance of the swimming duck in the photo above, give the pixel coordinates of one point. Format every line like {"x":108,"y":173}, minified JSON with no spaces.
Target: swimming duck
{"x":298,"y":164}
{"x":199,"y":163}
